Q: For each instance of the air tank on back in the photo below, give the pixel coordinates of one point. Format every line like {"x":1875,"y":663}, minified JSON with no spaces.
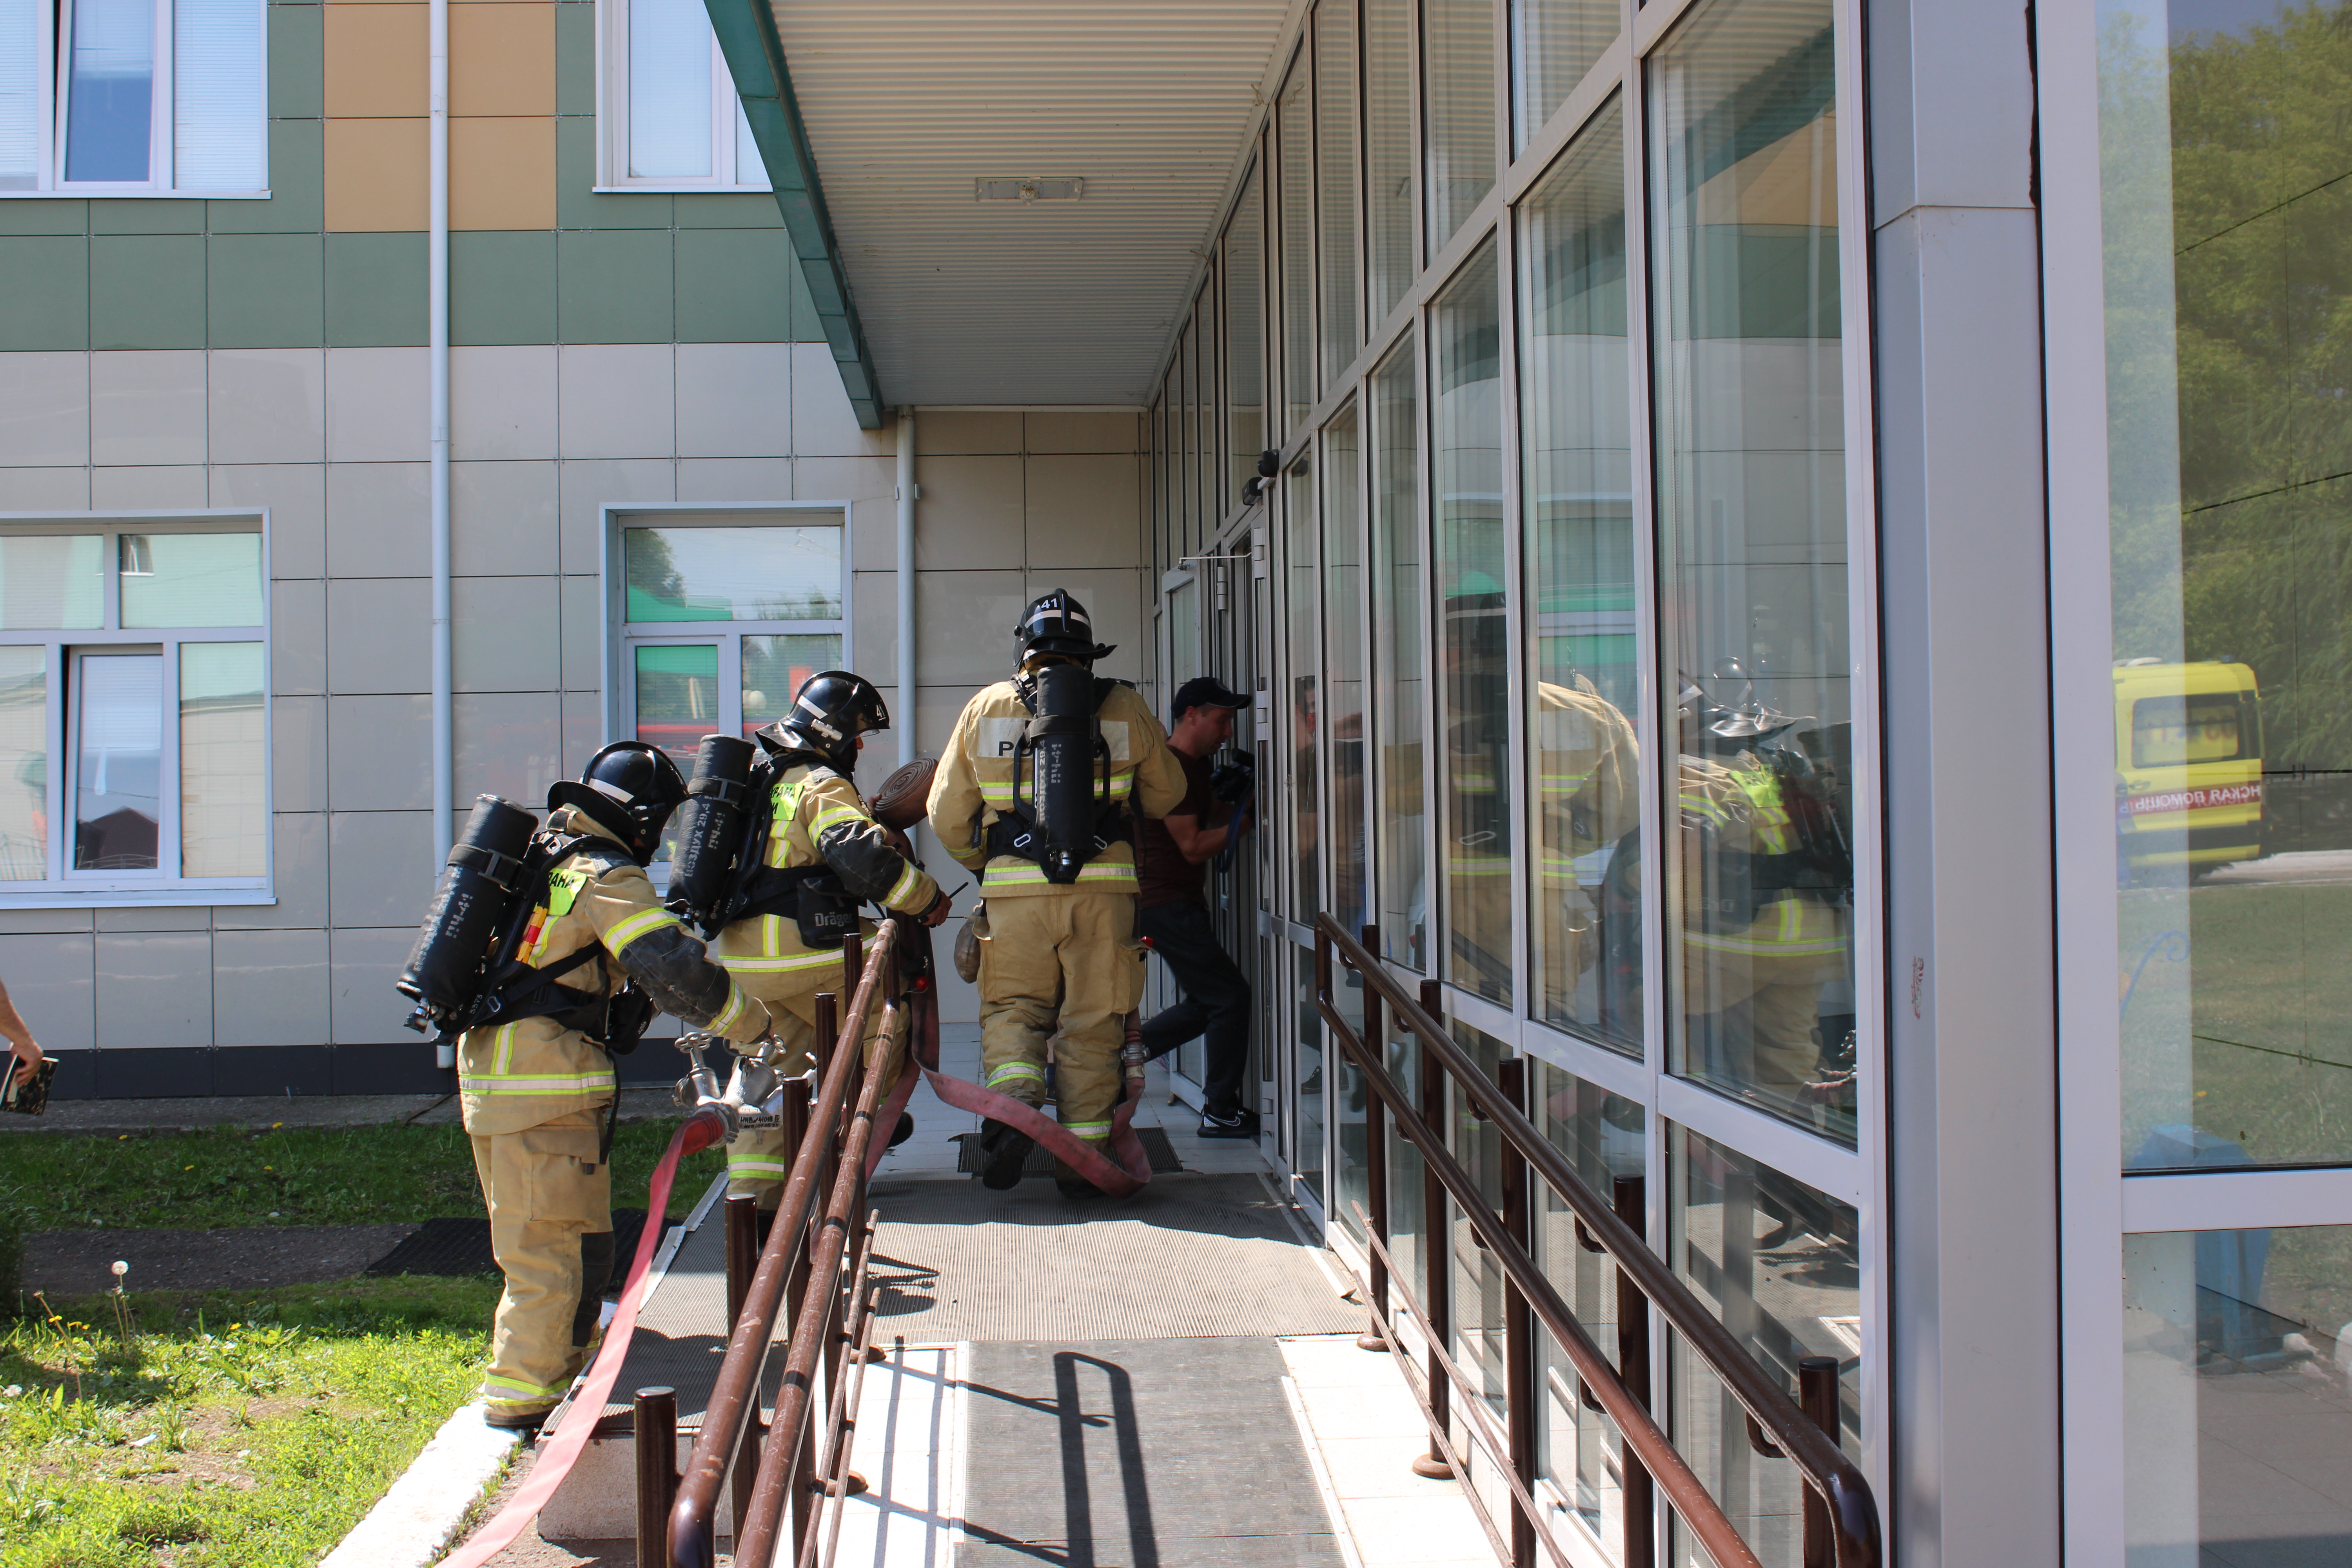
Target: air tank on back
{"x":1062,"y":790}
{"x":445,"y":968}
{"x":718,"y":813}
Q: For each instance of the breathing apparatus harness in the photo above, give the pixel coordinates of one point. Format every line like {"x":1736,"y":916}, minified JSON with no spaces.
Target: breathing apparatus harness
{"x":722,"y":874}
{"x":460,"y":981}
{"x":1070,"y":816}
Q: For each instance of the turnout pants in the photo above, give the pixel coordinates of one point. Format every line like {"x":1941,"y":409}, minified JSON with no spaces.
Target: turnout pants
{"x":551,"y":1202}
{"x":758,"y":1160}
{"x":1066,"y":961}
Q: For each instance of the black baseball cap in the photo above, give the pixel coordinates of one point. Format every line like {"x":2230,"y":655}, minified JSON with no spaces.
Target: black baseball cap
{"x":1203,"y":692}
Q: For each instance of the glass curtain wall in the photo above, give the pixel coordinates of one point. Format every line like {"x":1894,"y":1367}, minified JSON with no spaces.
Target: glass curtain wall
{"x":2224,"y":148}
{"x":1751,"y":543}
{"x":1610,"y":503}
{"x":1245,"y":260}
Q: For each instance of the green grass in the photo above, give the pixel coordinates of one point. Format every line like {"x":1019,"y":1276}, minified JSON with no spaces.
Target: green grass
{"x":244,"y":1428}
{"x":295,"y":1175}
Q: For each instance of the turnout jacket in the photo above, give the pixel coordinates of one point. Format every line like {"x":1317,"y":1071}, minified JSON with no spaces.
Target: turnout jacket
{"x":975,"y":786}
{"x":820,"y":820}
{"x":513,"y":1076}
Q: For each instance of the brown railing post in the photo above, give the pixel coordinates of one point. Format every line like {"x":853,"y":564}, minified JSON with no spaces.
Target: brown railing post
{"x":656,"y":1428}
{"x":1817,"y":1396}
{"x":1629,"y":1198}
{"x":1376,"y":1166}
{"x":1436,"y":1250}
{"x":743,"y":1258}
{"x":1518,"y":1324}
{"x":805,"y":1500}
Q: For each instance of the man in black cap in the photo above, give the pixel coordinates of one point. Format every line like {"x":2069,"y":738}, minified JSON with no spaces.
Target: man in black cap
{"x":1173,"y":910}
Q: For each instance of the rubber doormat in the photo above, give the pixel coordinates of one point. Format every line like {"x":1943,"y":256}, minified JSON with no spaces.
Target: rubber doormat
{"x":463,"y":1246}
{"x":1041,"y":1160}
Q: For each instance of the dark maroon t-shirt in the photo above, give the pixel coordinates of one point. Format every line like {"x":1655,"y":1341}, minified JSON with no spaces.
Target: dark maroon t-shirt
{"x":1167,"y":877}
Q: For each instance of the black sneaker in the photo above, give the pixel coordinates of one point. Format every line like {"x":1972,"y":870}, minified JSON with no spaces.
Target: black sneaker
{"x":904,"y":1130}
{"x":1232,"y":1124}
{"x":1004,"y":1151}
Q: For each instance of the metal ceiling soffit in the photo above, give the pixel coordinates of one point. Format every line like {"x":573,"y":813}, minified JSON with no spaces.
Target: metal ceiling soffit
{"x":755,"y":58}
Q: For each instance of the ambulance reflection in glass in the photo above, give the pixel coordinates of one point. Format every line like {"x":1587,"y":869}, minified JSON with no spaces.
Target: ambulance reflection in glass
{"x":2189,"y":767}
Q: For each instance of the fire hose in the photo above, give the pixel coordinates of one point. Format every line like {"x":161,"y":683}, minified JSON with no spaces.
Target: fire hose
{"x":698,"y":1132}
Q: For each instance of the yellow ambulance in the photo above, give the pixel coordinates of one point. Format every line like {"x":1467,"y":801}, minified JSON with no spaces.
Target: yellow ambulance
{"x":2189,"y":765}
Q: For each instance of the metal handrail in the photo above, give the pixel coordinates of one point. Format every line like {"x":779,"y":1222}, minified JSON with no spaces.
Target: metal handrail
{"x":834,"y":1144}
{"x":1845,"y":1510}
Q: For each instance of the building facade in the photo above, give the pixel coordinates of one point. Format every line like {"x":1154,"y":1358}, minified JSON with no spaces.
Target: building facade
{"x":1784,"y":552}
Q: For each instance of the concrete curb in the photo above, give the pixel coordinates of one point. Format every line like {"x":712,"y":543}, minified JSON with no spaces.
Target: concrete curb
{"x":411,"y":1523}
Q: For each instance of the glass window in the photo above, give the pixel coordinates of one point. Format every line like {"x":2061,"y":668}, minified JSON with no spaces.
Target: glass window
{"x":1184,"y":446}
{"x":774,"y":670}
{"x":677,"y":123}
{"x":224,"y":751}
{"x":1183,"y":634}
{"x":1778,"y":1263}
{"x":119,"y":761}
{"x":677,"y":698}
{"x":110,"y":90}
{"x":1752,"y":545}
{"x":781,"y":572}
{"x":1475,"y":651}
{"x":23,"y":765}
{"x":1392,"y":173}
{"x":1335,"y":107}
{"x":2224,"y":148}
{"x":1304,"y":665}
{"x":1477,"y":1283}
{"x":1458,"y":60}
{"x":1306,"y":1156}
{"x":2235,"y":1419}
{"x":1553,"y":44}
{"x":1585,"y":931}
{"x":1211,"y":511}
{"x":52,"y":580}
{"x":1400,"y":690}
{"x":1343,"y":672}
{"x":190,"y":579}
{"x":1601,"y":1135}
{"x":1245,"y":336}
{"x":218,"y":139}
{"x":21,"y":91}
{"x":1298,"y":249}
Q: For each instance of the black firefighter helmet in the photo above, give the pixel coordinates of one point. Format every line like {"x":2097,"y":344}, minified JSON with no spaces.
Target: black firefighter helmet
{"x":629,"y":789}
{"x":830,"y":711}
{"x":1057,"y":623}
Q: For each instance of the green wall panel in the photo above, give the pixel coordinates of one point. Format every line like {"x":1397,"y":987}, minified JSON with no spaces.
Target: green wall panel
{"x":575,"y":59}
{"x":297,"y":203}
{"x":376,"y":291}
{"x":734,"y":286}
{"x":577,"y":205}
{"x":502,"y":286}
{"x":146,"y":215}
{"x":147,"y":291}
{"x":296,"y":61}
{"x":612,"y":287}
{"x":44,"y":216}
{"x":714,"y":209}
{"x":46,"y":304}
{"x":264,"y":291}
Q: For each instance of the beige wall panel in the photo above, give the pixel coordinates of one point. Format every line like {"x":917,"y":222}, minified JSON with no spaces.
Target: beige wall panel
{"x":502,"y":172}
{"x":375,"y":62}
{"x":376,"y":174}
{"x":871,"y":486}
{"x":1081,"y":510}
{"x":502,"y":60}
{"x":1081,"y":432}
{"x":968,"y":518}
{"x":965,"y":431}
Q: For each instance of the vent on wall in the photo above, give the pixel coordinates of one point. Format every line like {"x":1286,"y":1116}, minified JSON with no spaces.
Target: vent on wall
{"x":1067,"y":190}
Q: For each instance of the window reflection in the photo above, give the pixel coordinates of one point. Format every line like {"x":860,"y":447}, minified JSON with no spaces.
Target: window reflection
{"x":1776,"y":1261}
{"x":1474,"y":652}
{"x":222,"y":754}
{"x":1750,"y":483}
{"x":118,"y":762}
{"x":23,"y":765}
{"x":1304,"y":664}
{"x":1297,"y":198}
{"x":1554,"y":42}
{"x":761,"y":573}
{"x":1245,"y":335}
{"x":190,"y":579}
{"x":52,"y":580}
{"x":111,"y":90}
{"x":1400,"y":695}
{"x":1343,"y":672}
{"x":1585,"y":931}
{"x":2236,"y":1409}
{"x":1335,"y":113}
{"x":1391,"y":174}
{"x":1457,"y":40}
{"x":774,"y":670}
{"x":2226,"y":274}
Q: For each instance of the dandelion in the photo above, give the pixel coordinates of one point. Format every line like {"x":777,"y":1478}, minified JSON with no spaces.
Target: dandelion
{"x":187,"y":1167}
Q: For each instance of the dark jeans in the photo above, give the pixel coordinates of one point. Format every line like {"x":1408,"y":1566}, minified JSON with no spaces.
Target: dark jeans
{"x":1216,"y":999}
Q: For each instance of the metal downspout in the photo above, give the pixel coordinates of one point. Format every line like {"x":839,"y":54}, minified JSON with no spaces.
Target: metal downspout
{"x":907,"y":497}
{"x":438,"y":330}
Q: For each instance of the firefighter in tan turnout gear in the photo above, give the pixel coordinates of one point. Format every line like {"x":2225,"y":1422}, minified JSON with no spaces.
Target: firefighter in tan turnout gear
{"x":822,"y":852}
{"x":535,"y":1089}
{"x":1036,"y":793}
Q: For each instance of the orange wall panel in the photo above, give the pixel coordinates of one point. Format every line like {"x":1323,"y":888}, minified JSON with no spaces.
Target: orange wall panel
{"x":502,"y":57}
{"x":502,"y":172}
{"x":376,"y":174}
{"x":375,"y":60}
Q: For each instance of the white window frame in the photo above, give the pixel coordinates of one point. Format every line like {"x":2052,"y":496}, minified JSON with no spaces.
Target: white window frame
{"x":613,"y":116}
{"x":54,"y":25}
{"x":622,"y":635}
{"x":65,"y":888}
